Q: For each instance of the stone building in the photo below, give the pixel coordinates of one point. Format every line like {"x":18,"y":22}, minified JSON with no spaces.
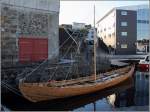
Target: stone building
{"x":29,"y":30}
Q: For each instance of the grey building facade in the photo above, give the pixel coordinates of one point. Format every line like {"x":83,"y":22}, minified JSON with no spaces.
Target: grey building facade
{"x":118,"y":29}
{"x":143,"y":28}
{"x":143,"y":14}
{"x":126,"y":32}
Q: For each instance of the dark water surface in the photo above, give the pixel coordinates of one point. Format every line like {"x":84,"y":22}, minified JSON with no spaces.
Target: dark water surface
{"x":132,"y":95}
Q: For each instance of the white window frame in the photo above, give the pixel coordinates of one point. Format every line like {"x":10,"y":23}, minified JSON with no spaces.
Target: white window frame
{"x":124,"y":23}
{"x":124,"y":13}
{"x":124,"y":46}
{"x":124,"y":33}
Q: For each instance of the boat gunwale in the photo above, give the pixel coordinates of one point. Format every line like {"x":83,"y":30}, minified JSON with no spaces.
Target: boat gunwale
{"x":92,"y":81}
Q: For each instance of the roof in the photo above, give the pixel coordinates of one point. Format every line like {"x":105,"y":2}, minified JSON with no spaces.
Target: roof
{"x":130,"y":7}
{"x":106,"y":15}
{"x":134,"y":7}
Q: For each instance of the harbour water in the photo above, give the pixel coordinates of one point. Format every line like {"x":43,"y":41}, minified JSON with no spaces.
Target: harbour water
{"x":131,"y":95}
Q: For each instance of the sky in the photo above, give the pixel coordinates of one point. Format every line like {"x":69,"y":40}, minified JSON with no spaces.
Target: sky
{"x":82,"y":11}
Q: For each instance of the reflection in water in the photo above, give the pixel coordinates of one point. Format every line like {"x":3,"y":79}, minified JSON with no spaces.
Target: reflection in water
{"x":112,"y":99}
{"x":104,"y":100}
{"x":125,"y":99}
{"x":132,"y":92}
{"x":138,"y":95}
{"x":142,"y":88}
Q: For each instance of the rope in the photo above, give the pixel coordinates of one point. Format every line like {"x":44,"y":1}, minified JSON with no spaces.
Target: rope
{"x":58,"y":65}
{"x":9,"y":86}
{"x":11,"y":89}
{"x":6,"y":82}
{"x":43,"y":62}
{"x":70,"y":68}
{"x":34,"y":70}
{"x":53,"y":74}
{"x":70,"y":36}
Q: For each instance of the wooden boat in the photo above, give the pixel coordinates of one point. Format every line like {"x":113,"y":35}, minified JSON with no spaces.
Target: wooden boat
{"x":36,"y":92}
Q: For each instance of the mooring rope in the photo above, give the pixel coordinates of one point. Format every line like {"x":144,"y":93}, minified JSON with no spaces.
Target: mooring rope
{"x":6,"y":82}
{"x":58,"y":65}
{"x":11,"y":88}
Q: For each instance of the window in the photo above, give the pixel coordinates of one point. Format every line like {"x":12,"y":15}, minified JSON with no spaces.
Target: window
{"x":109,"y":35}
{"x":123,"y":13}
{"x":91,"y":42}
{"x":114,"y":15}
{"x":143,"y":21}
{"x":113,"y":34}
{"x":123,"y":23}
{"x":147,"y":22}
{"x":124,"y":46}
{"x":123,"y":33}
{"x":114,"y":24}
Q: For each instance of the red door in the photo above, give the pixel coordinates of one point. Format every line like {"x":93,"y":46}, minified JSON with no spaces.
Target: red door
{"x":33,"y":49}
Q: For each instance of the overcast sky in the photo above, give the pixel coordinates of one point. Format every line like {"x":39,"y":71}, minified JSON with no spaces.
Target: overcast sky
{"x":82,"y":11}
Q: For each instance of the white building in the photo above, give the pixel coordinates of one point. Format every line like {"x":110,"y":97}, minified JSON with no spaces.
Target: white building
{"x":78,"y":25}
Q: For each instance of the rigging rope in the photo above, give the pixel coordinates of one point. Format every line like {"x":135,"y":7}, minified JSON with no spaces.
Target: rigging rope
{"x":63,"y":57}
{"x":70,"y":36}
{"x":6,"y":82}
{"x":70,"y":68}
{"x":11,"y":88}
{"x":43,"y":61}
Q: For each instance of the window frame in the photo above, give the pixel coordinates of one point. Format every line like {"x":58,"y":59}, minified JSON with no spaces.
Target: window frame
{"x":124,"y":46}
{"x":124,"y":23}
{"x":124,"y":13}
{"x":126,"y":34}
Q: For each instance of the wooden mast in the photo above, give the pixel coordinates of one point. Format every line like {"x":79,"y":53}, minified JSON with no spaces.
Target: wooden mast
{"x":94,"y":47}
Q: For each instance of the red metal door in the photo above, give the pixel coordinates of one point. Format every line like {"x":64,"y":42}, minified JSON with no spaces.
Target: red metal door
{"x":33,"y":49}
{"x":40,"y":49}
{"x":25,"y":49}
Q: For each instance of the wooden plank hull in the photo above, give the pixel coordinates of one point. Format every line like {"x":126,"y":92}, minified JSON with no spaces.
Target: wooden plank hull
{"x":36,"y":92}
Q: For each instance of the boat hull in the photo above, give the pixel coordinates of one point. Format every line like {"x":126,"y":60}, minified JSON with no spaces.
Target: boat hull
{"x":144,"y":67}
{"x":36,"y":92}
